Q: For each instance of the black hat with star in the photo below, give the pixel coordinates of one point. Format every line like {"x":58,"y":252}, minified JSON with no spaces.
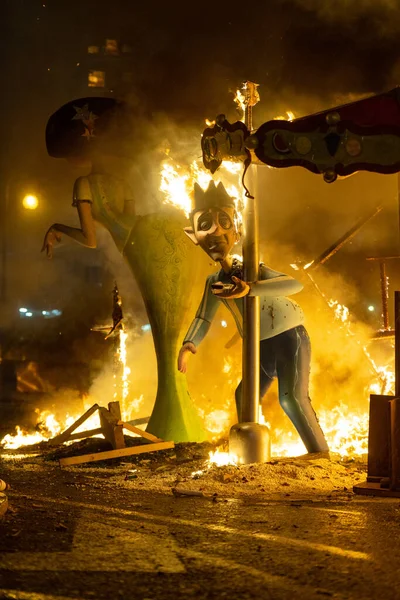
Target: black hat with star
{"x":81,"y":127}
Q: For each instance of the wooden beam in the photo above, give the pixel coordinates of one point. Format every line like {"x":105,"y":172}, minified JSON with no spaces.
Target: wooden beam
{"x":143,"y":434}
{"x":77,"y":460}
{"x":85,"y":434}
{"x":379,"y":437}
{"x":62,"y":437}
{"x":395,"y":444}
{"x":111,"y":430}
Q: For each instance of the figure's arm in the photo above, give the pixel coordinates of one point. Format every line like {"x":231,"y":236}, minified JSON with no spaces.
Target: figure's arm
{"x":86,"y":235}
{"x":200,"y":325}
{"x":273,"y":283}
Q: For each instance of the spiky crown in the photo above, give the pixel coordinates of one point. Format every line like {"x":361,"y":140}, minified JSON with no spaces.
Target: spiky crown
{"x":213,"y":196}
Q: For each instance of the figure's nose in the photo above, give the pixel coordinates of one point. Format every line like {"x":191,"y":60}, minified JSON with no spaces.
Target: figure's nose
{"x":215,"y":229}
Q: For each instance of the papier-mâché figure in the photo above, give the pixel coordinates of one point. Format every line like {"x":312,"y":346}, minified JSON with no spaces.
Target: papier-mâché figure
{"x":285,"y":345}
{"x":99,"y":134}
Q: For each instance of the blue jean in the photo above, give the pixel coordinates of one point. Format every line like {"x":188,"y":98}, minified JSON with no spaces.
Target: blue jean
{"x":287,"y":356}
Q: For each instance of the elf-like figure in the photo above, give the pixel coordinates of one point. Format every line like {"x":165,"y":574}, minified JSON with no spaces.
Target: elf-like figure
{"x":285,"y":345}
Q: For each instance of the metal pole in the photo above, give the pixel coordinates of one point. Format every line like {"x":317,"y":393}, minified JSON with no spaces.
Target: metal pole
{"x":251,"y":314}
{"x":248,"y":440}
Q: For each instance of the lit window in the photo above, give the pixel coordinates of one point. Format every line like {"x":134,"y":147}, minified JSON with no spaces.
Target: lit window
{"x":111,"y":47}
{"x":93,"y":49}
{"x":96,"y":79}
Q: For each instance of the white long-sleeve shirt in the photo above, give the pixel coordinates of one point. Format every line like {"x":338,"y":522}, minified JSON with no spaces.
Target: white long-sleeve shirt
{"x":277,"y":312}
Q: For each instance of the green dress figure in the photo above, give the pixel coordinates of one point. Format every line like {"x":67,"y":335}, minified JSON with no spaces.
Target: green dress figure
{"x":91,"y":132}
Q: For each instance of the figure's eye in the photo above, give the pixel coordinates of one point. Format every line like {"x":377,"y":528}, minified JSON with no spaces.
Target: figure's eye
{"x":205,"y":222}
{"x":225,"y":221}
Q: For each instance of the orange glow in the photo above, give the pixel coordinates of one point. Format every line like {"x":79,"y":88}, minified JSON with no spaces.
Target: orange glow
{"x":30,"y":202}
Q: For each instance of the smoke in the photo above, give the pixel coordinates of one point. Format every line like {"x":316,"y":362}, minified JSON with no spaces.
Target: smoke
{"x":346,"y":12}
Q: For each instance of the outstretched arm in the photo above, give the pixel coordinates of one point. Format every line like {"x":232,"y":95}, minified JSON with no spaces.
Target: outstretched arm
{"x":200,"y":325}
{"x":86,"y":235}
{"x":284,"y":285}
{"x":274,"y":283}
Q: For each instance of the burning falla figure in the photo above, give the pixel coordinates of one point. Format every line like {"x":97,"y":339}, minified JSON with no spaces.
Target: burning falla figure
{"x":285,"y":345}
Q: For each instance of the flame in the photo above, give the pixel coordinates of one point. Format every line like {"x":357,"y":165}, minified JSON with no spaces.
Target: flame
{"x":345,"y":429}
{"x":217,"y":421}
{"x":341,"y":312}
{"x":210,"y":123}
{"x":346,"y":432}
{"x":175,"y":186}
{"x":240,"y":100}
{"x":248,"y":95}
{"x":47,"y":427}
{"x":222,"y":459}
{"x":289,"y":116}
{"x":177,"y":183}
{"x":125,"y":371}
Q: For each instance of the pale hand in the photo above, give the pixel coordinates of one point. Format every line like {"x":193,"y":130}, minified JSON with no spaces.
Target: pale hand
{"x":240,"y":289}
{"x":50,"y":238}
{"x":184,"y":353}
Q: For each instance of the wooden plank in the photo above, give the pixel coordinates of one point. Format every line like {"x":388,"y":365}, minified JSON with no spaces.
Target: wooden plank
{"x":395,"y":444}
{"x":64,"y":436}
{"x":143,"y":434}
{"x":77,"y":460}
{"x":379,"y":437}
{"x":85,"y":434}
{"x":374,"y":489}
{"x":115,"y":409}
{"x":110,"y":428}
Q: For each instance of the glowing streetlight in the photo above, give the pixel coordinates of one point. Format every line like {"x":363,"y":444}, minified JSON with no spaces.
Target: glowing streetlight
{"x":30,"y":202}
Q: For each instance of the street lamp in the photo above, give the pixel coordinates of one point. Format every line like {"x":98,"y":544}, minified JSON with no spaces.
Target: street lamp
{"x":30,"y":201}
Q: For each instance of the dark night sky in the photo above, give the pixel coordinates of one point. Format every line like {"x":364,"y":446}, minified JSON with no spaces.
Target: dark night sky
{"x":188,"y":58}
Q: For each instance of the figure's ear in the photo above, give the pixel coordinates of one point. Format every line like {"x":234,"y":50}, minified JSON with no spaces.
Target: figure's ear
{"x":191,"y":235}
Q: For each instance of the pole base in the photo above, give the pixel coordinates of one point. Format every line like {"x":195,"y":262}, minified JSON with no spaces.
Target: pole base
{"x":250,"y":443}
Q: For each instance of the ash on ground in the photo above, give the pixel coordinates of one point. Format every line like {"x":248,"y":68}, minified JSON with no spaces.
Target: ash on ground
{"x":186,"y":470}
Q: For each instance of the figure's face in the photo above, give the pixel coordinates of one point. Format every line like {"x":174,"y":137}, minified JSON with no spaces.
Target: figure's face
{"x":215,"y":231}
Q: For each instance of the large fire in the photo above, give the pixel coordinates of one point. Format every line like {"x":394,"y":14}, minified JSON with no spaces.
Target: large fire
{"x":48,"y":425}
{"x":177,"y":182}
{"x":346,"y":429}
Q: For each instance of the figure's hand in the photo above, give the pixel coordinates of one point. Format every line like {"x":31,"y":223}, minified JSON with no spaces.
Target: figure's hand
{"x":238,"y":290}
{"x":50,"y":238}
{"x":184,"y":353}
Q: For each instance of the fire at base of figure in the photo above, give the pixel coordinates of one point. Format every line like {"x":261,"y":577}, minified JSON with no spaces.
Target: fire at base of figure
{"x":116,"y":331}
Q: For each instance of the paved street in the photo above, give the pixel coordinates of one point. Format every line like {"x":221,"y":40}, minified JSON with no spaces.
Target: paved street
{"x":69,"y":536}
